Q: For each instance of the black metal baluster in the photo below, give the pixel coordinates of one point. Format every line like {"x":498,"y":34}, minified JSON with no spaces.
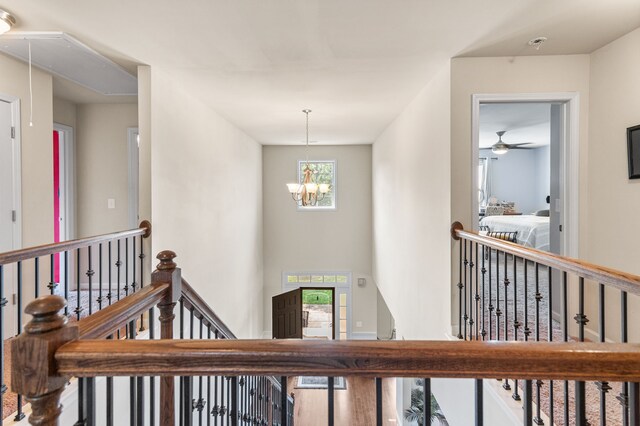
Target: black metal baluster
{"x":126,"y":266}
{"x":133,"y":391}
{"x":460,"y":293}
{"x":190,"y":402}
{"x":19,"y":415}
{"x":565,"y":337}
{"x":538,"y":297}
{"x":484,"y":271}
{"x":284,"y":402}
{"x":66,"y":283}
{"x":581,"y":320}
{"x":141,"y":256}
{"x":118,"y":265}
{"x":490,"y":314}
{"x":201,"y":401}
{"x":603,"y":386}
{"x":181,"y":381}
{"x":477,"y":297}
{"x":100,"y":298}
{"x":52,"y":284}
{"x":623,"y":398}
{"x":91,"y":401}
{"x":378,"y":401}
{"x":110,"y":392}
{"x":78,"y":308}
{"x":550,"y":338}
{"x":426,"y":400}
{"x":464,"y":291}
{"x":330,"y":401}
{"x":3,"y":304}
{"x":506,"y":385}
{"x":498,"y":311}
{"x":208,"y":377}
{"x":215,"y":410}
{"x":36,"y":261}
{"x":243,"y":398}
{"x":234,"y":401}
{"x":479,"y":406}
{"x":228,"y":380}
{"x":528,"y":408}
{"x":516,"y":323}
{"x":134,"y":284}
{"x":90,"y":277}
{"x":470,"y":284}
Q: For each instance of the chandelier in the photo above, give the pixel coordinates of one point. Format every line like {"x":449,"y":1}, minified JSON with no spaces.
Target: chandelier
{"x":308,"y":192}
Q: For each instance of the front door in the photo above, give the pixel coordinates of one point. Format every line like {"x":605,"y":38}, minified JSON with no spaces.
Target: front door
{"x":287,"y":315}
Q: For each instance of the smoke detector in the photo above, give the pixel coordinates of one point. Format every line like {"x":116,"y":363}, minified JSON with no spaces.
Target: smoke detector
{"x":537,"y":42}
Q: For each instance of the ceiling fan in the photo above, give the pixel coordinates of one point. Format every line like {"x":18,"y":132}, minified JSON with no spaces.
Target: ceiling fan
{"x":502,"y":148}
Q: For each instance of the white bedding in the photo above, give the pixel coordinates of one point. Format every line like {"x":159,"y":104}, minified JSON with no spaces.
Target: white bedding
{"x":533,"y":231}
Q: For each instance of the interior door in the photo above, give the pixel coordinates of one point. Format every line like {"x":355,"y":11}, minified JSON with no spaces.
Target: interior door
{"x":286,"y":315}
{"x":7,"y":215}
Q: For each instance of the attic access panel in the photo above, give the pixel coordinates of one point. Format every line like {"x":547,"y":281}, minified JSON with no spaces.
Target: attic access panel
{"x":61,"y":54}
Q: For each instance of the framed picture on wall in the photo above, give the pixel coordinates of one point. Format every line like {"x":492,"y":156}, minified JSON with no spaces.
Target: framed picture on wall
{"x":633,"y":151}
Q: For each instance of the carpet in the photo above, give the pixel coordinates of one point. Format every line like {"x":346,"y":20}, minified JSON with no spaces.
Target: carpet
{"x":315,"y":382}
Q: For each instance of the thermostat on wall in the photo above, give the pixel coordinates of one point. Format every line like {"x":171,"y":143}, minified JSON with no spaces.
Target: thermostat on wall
{"x":362,"y":282}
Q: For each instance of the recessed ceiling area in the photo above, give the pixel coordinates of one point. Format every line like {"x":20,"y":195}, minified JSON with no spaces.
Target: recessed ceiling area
{"x":524,"y":122}
{"x":357,"y":64}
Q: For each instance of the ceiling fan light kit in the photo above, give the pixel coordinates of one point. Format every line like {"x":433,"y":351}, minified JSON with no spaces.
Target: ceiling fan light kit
{"x":501,"y":147}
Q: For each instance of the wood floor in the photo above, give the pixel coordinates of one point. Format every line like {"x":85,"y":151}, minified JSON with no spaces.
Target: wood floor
{"x":354,"y":406}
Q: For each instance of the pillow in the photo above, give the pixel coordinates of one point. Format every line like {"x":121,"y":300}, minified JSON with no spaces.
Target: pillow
{"x":544,"y":213}
{"x":502,"y":235}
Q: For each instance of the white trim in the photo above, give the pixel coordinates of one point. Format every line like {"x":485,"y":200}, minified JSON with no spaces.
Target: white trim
{"x":570,"y":149}
{"x":364,"y":335}
{"x":70,"y":179}
{"x":346,"y":287}
{"x":133,"y":149}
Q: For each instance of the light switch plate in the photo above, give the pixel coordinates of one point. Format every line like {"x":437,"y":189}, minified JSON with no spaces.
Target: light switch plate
{"x":358,"y":323}
{"x":111,"y":203}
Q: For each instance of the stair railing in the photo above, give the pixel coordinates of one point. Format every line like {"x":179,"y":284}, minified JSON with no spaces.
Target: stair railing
{"x":509,"y":292}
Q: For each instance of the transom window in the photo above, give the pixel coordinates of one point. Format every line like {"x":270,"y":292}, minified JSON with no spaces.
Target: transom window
{"x":323,"y":172}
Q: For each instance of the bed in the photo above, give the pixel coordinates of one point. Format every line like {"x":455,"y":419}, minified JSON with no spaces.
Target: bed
{"x":533,"y":231}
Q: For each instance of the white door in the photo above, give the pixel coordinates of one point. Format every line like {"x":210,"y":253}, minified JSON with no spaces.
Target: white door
{"x":7,"y":213}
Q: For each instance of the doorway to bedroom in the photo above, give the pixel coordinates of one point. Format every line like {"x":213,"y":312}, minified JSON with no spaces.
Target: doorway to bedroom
{"x":525,"y":173}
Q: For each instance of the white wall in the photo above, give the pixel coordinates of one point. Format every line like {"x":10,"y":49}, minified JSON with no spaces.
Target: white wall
{"x":37,"y":148}
{"x":207,"y":203}
{"x":614,"y":200}
{"x":102,"y":166}
{"x":337,"y":240}
{"x":520,"y":176}
{"x":412,"y":217}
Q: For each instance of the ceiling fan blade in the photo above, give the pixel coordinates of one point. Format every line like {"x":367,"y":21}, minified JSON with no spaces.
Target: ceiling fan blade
{"x":522,"y":143}
{"x":522,"y":147}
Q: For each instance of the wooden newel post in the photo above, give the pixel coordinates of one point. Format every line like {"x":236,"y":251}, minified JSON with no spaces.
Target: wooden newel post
{"x":33,"y":372}
{"x":167,"y":272}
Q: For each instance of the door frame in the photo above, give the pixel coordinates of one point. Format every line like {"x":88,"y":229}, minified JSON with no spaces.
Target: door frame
{"x":69,"y":179}
{"x":16,"y":239}
{"x":333,"y":305}
{"x":346,"y":287}
{"x":133,"y":150}
{"x":569,"y":157}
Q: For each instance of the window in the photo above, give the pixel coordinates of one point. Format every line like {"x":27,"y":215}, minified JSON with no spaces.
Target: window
{"x":324,"y":172}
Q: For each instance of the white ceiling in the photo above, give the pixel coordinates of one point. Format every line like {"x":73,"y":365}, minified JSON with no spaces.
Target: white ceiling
{"x":522,"y":122}
{"x":356,"y":63}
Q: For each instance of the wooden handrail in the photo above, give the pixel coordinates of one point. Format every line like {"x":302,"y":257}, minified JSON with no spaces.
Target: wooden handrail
{"x":451,"y":359}
{"x":621,"y":280}
{"x":104,"y":322}
{"x":203,"y":311}
{"x":29,"y":253}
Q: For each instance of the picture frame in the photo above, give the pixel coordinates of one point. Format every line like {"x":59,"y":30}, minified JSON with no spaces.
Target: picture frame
{"x":633,"y":151}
